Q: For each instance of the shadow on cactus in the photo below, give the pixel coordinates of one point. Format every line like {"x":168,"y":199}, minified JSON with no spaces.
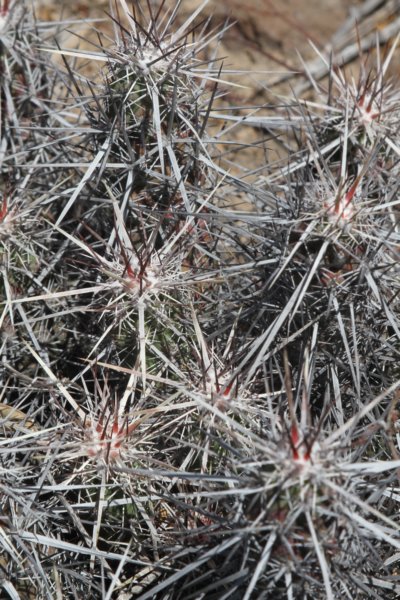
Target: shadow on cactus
{"x":199,"y":368}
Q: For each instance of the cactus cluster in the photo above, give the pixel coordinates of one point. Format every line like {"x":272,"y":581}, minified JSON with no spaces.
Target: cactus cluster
{"x":199,"y":373}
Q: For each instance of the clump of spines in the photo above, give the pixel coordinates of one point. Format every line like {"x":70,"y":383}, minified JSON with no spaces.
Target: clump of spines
{"x":206,"y":395}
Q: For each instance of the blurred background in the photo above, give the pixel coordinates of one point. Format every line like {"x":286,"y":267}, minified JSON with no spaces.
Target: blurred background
{"x":264,"y":35}
{"x":268,"y":49}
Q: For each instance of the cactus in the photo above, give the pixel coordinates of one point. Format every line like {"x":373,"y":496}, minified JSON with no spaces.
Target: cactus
{"x":199,"y":400}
